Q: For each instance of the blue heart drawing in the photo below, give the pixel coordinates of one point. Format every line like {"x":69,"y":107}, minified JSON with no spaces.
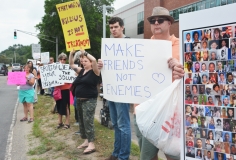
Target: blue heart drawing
{"x":159,"y":77}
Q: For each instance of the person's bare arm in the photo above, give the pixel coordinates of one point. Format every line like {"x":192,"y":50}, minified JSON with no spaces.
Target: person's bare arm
{"x":96,"y":70}
{"x":30,"y":81}
{"x":71,"y":62}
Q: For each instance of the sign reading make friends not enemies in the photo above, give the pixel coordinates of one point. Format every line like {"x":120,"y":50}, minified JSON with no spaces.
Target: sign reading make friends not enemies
{"x":134,"y":69}
{"x":16,"y":78}
{"x":56,"y":74}
{"x":73,"y":25}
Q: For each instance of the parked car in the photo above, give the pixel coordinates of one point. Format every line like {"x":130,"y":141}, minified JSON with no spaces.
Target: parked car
{"x":3,"y":69}
{"x":16,"y":67}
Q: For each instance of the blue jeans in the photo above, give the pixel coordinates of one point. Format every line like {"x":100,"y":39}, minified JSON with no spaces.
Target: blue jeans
{"x":120,"y":119}
{"x":52,"y":90}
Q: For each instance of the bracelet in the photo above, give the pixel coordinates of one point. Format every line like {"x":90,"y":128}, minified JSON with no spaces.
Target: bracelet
{"x":85,"y":54}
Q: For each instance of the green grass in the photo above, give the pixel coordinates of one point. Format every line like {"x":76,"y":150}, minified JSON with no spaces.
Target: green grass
{"x":53,"y":143}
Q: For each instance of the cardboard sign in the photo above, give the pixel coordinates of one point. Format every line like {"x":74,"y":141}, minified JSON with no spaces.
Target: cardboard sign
{"x":73,"y":25}
{"x":56,"y":74}
{"x":16,"y":78}
{"x":45,"y":57}
{"x":135,"y":69}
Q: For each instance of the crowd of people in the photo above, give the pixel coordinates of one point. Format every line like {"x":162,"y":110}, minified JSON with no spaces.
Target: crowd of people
{"x":84,"y":90}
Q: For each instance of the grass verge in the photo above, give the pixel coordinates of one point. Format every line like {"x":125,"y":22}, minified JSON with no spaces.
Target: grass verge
{"x":47,"y":142}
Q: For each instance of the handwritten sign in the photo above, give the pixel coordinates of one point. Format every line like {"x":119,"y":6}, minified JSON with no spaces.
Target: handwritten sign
{"x":36,"y":49}
{"x":73,"y":25}
{"x":16,"y":78}
{"x":135,"y":69}
{"x":56,"y":74}
{"x":45,"y":57}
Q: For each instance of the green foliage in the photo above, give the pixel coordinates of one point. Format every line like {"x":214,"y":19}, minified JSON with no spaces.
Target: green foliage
{"x":22,"y":54}
{"x":51,"y":25}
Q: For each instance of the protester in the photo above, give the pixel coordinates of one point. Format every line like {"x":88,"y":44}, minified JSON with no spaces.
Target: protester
{"x":26,"y":94}
{"x":38,"y":76}
{"x":63,"y":105}
{"x":34,"y":72}
{"x":41,"y":90}
{"x":119,"y":112}
{"x":78,"y":60}
{"x":50,"y":90}
{"x":160,"y":23}
{"x":86,"y":93}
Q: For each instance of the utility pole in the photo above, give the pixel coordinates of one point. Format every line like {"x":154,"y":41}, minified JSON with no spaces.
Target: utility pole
{"x":104,"y":9}
{"x":15,"y":56}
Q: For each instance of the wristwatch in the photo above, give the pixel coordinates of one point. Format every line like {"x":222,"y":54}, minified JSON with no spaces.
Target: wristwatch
{"x":85,"y":54}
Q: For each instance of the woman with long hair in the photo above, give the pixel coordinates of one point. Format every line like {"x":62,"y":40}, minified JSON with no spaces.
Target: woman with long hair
{"x":217,"y":34}
{"x":211,"y":124}
{"x":26,"y":94}
{"x":210,"y":135}
{"x":199,"y":154}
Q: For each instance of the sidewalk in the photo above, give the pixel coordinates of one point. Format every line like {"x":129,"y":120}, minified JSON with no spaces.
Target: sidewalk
{"x":133,"y":136}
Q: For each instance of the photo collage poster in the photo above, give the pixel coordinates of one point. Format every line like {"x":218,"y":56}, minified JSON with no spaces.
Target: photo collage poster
{"x":210,"y":92}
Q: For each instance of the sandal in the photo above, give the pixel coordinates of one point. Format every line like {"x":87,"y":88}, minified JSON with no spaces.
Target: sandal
{"x":89,"y":151}
{"x":81,"y":146}
{"x":60,"y":125}
{"x":66,"y":126}
{"x":24,"y":119}
{"x":30,"y":120}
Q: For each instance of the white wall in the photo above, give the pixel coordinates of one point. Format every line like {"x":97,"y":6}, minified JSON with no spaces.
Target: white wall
{"x":130,"y":15}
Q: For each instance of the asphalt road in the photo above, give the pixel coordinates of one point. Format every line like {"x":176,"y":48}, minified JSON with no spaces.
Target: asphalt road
{"x":8,"y":100}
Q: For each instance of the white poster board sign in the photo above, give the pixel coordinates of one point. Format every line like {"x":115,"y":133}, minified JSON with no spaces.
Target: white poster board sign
{"x":209,"y":113}
{"x":45,"y":57}
{"x":56,"y":74}
{"x":134,"y":69}
{"x":36,"y":49}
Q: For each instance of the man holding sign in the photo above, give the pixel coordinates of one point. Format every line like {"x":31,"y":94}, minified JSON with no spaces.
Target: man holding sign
{"x":119,"y":112}
{"x":160,"y":21}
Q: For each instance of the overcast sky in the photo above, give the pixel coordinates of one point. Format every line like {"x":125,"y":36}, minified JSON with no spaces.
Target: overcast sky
{"x":24,"y":15}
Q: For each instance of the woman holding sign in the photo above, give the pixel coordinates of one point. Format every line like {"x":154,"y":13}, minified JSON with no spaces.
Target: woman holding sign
{"x":86,"y":95}
{"x":26,"y":94}
{"x":63,"y":104}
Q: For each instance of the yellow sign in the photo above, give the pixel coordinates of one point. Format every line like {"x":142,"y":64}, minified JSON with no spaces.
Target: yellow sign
{"x":73,"y":25}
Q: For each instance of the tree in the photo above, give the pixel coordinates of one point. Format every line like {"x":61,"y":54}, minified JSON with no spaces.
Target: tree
{"x":22,"y":54}
{"x":51,"y":25}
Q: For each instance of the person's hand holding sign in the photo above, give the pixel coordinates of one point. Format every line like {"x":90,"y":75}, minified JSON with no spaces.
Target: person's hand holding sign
{"x":178,"y":71}
{"x":100,"y":64}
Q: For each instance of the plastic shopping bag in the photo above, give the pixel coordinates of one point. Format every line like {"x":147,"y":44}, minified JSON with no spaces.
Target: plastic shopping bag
{"x":159,"y":119}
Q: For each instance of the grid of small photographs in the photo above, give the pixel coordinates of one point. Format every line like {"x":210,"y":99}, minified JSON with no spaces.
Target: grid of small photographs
{"x":210,"y":92}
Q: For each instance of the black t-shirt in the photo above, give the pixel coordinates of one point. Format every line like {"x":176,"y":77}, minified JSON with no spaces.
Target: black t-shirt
{"x":86,"y":85}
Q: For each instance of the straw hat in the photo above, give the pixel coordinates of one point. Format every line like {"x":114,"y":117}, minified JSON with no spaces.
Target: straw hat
{"x":161,"y":12}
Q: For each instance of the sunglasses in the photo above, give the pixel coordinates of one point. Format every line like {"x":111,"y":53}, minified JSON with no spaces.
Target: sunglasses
{"x":63,"y":59}
{"x":160,"y":20}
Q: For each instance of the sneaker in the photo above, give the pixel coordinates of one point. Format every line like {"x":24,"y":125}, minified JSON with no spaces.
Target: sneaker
{"x":76,"y":124}
{"x":112,"y":158}
{"x":77,"y":132}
